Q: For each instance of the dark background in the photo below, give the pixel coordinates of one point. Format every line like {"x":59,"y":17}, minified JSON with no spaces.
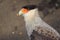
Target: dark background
{"x":10,"y":23}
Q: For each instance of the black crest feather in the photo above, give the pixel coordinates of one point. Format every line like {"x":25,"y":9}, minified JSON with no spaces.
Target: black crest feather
{"x":30,"y":7}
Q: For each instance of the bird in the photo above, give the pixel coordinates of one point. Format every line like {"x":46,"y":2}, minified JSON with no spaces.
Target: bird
{"x":36,"y":27}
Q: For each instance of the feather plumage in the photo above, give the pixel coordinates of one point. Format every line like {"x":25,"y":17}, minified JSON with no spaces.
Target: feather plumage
{"x":34,"y":22}
{"x":36,"y":28}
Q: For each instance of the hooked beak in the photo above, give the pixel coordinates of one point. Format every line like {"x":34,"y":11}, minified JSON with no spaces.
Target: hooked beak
{"x":20,"y":13}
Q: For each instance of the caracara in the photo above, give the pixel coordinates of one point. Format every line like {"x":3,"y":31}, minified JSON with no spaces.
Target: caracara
{"x":36,"y":28}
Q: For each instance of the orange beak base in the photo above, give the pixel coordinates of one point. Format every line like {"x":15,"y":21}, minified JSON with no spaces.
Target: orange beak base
{"x":24,"y":10}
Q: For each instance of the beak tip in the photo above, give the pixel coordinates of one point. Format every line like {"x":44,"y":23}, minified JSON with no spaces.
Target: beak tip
{"x":17,"y":14}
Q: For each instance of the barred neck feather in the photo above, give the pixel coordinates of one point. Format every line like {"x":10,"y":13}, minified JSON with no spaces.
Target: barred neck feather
{"x":33,"y":21}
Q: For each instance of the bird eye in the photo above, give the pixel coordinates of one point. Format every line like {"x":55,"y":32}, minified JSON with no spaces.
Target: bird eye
{"x":24,"y":10}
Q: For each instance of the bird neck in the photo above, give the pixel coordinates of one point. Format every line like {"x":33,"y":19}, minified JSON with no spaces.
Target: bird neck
{"x":31,"y":19}
{"x":32,"y":16}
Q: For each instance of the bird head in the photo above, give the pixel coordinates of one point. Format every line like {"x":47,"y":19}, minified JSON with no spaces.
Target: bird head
{"x":25,"y":9}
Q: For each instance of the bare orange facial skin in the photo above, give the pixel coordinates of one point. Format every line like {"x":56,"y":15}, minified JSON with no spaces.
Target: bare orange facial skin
{"x":24,"y":10}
